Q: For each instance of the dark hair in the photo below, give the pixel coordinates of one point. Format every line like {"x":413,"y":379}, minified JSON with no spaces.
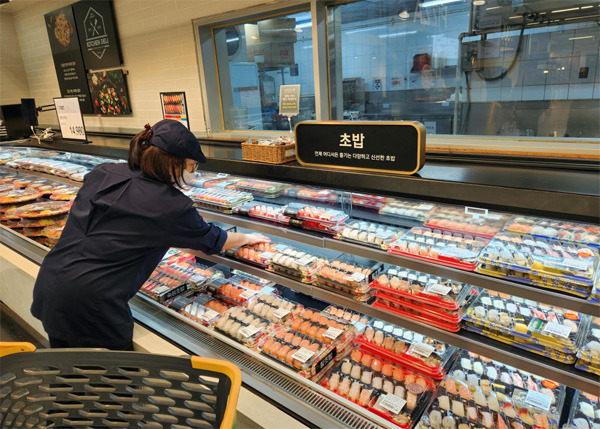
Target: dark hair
{"x":154,"y":162}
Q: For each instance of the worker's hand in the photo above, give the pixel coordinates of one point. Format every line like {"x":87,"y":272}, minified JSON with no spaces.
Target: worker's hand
{"x":256,"y":238}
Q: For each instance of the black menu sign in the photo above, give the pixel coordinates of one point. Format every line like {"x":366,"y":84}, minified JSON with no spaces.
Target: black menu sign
{"x":68,"y":62}
{"x":97,"y":34}
{"x":392,"y":147}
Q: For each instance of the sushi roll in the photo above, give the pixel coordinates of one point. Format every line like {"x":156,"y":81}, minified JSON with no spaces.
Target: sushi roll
{"x":444,"y":402}
{"x":377,"y":382}
{"x":367,"y":377}
{"x":356,"y":371}
{"x":346,"y":366}
{"x":365,"y":397}
{"x":354,"y":392}
{"x":344,"y":387}
{"x":388,"y":386}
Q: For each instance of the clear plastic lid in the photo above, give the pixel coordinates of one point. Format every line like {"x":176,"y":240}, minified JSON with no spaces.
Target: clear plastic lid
{"x":406,"y":209}
{"x":263,"y":187}
{"x":368,"y":233}
{"x":296,"y":264}
{"x":571,"y":232}
{"x":313,"y":194}
{"x":268,"y":212}
{"x":466,"y":220}
{"x":243,"y":325}
{"x":374,"y":202}
{"x":590,"y":347}
{"x":43,"y":209}
{"x":258,"y":254}
{"x":219,"y":197}
{"x":19,"y":196}
{"x":585,"y":412}
{"x":273,"y":308}
{"x":314,"y":213}
{"x":345,"y":315}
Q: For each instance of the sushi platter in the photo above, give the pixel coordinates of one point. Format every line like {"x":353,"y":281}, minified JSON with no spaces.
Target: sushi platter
{"x":482,"y":393}
{"x":243,"y":325}
{"x":298,"y":265}
{"x":567,"y":232}
{"x":270,"y":212}
{"x":221,"y":200}
{"x":585,"y":412}
{"x":260,"y":187}
{"x":373,"y":202}
{"x":368,"y":234}
{"x":458,"y":219}
{"x":410,"y":210}
{"x":589,"y":352}
{"x":346,"y":315}
{"x":315,"y":214}
{"x":276,"y":309}
{"x":349,"y":275}
{"x":311,"y":194}
{"x":257,"y":254}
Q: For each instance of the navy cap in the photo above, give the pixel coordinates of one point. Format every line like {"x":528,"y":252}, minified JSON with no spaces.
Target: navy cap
{"x":174,"y":137}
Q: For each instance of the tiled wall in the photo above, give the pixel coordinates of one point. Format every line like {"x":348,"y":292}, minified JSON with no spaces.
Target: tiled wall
{"x":13,"y":81}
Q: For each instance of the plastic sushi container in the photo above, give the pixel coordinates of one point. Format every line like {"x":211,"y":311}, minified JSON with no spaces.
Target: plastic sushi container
{"x":315,"y":214}
{"x":349,"y":275}
{"x":163,"y":288}
{"x":414,"y":211}
{"x":424,"y":355}
{"x":348,"y":316}
{"x":374,"y":202}
{"x":221,"y":200}
{"x":368,"y":234}
{"x":531,"y":322}
{"x":276,"y":309}
{"x":482,"y":393}
{"x":207,"y":180}
{"x":243,"y":325}
{"x":258,"y":254}
{"x":589,"y":353}
{"x":270,"y":212}
{"x":565,"y":231}
{"x":261,"y":187}
{"x":546,"y":263}
{"x":201,"y":308}
{"x":585,"y":412}
{"x":231,"y":291}
{"x":189,"y":271}
{"x":390,"y":391}
{"x":479,"y":222}
{"x":441,"y":247}
{"x":298,"y":265}
{"x":311,"y":194}
{"x":324,"y":328}
{"x":308,"y":356}
{"x":415,"y":286}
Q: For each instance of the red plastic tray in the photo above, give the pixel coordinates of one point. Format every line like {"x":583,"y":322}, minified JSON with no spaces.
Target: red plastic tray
{"x":442,"y":260}
{"x":423,"y":297}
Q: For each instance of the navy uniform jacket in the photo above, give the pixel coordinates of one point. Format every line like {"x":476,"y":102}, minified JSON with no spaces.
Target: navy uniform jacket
{"x":119,"y":228}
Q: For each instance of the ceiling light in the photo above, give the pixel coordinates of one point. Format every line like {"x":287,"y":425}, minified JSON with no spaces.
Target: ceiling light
{"x":437,"y":3}
{"x":581,"y":37}
{"x":565,"y":10}
{"x":404,"y":14}
{"x":479,"y":2}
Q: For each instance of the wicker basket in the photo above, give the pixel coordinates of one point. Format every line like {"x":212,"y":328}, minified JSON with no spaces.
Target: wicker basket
{"x":276,"y":154}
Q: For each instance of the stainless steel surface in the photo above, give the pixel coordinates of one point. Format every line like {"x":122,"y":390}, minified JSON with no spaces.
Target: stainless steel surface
{"x":475,"y":279}
{"x":313,"y":402}
{"x":565,"y":374}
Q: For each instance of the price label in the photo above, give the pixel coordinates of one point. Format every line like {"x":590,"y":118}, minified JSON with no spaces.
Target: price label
{"x":557,"y":329}
{"x":280,"y":313}
{"x":392,"y":272}
{"x":538,"y":400}
{"x":247,"y":294}
{"x":357,"y":277}
{"x":392,"y":403}
{"x":304,"y":261}
{"x":209,"y":315}
{"x":438,"y":289}
{"x":303,"y":354}
{"x":267,"y":255}
{"x":476,"y":212}
{"x":421,"y":349}
{"x":248,"y":331}
{"x":280,"y":247}
{"x":576,"y":264}
{"x":70,"y":119}
{"x":332,"y":333}
{"x":197,"y":279}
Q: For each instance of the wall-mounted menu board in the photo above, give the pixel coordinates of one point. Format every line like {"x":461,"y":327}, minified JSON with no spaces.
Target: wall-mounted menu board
{"x":68,"y":62}
{"x":97,"y":34}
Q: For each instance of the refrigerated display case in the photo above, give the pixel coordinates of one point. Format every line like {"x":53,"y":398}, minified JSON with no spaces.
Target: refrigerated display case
{"x":433,"y":281}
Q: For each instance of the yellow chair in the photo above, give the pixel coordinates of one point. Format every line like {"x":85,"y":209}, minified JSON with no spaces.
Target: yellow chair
{"x":97,"y":387}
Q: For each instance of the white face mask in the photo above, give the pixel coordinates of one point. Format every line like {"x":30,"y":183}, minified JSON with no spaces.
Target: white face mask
{"x":188,"y":177}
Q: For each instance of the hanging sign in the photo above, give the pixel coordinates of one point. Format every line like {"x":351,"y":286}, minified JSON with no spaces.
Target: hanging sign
{"x":70,"y":119}
{"x":388,"y":147}
{"x":289,"y":100}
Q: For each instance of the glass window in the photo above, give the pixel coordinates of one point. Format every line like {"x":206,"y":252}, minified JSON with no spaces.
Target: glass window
{"x":253,"y":59}
{"x":516,"y":68}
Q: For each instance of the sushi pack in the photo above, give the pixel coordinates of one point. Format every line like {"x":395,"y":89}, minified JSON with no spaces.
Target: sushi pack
{"x":409,"y":349}
{"x":311,"y":194}
{"x":270,"y":213}
{"x":57,"y":168}
{"x":541,"y":262}
{"x":346,"y":315}
{"x":441,"y":247}
{"x":585,"y":412}
{"x":260,"y":187}
{"x":568,"y":232}
{"x":231,"y":291}
{"x":481,"y":393}
{"x":589,"y":353}
{"x":392,"y":392}
{"x":368,"y":233}
{"x":412,"y":211}
{"x":221,"y":200}
{"x":298,"y":265}
{"x":276,"y":309}
{"x":257,"y":254}
{"x":373,"y":202}
{"x":243,"y":325}
{"x":457,"y":219}
{"x":314,"y":218}
{"x":200,"y":308}
{"x":349,"y":275}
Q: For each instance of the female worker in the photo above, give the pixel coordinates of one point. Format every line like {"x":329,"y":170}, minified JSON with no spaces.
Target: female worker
{"x":123,"y":221}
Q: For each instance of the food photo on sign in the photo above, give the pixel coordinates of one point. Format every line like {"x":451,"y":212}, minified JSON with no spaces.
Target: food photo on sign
{"x":61,"y":30}
{"x":109,"y":93}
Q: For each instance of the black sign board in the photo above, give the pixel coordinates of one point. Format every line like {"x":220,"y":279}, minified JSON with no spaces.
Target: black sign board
{"x":391,"y":147}
{"x":97,"y":34}
{"x":68,"y":62}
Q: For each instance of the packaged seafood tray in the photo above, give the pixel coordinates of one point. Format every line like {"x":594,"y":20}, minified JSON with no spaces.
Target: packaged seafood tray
{"x":374,"y":202}
{"x":42,"y":221}
{"x":19,"y":196}
{"x":296,"y":264}
{"x":207,"y":180}
{"x":422,"y":354}
{"x":308,"y":356}
{"x":270,"y":213}
{"x":64,"y":194}
{"x":436,"y":291}
{"x":441,"y":247}
{"x":243,"y":325}
{"x":482,"y":393}
{"x":190,"y":272}
{"x":315,"y":214}
{"x":348,"y":271}
{"x":43,"y":209}
{"x":201,"y":308}
{"x":222,"y":200}
{"x":276,"y":309}
{"x":311,"y":194}
{"x":163,"y":288}
{"x":466,"y":220}
{"x":175,"y":256}
{"x":546,"y":263}
{"x":369,"y":234}
{"x":565,"y":231}
{"x":258,"y":254}
{"x":532,"y":322}
{"x":390,"y":391}
{"x":250,"y":281}
{"x":345,"y":315}
{"x":416,"y":310}
{"x":261,"y":187}
{"x":585,"y":412}
{"x":589,"y":353}
{"x":231,"y":291}
{"x":407,"y":209}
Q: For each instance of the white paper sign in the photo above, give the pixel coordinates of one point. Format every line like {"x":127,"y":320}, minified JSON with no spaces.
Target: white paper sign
{"x":392,"y":403}
{"x":197,"y":279}
{"x":280,"y":313}
{"x":557,"y":329}
{"x":247,"y":294}
{"x":538,"y":400}
{"x":289,"y":100}
{"x":248,"y":331}
{"x":421,"y":349}
{"x":303,"y":354}
{"x":438,"y":289}
{"x":267,"y":255}
{"x":332,"y":333}
{"x":69,"y":118}
{"x":357,"y":277}
{"x":209,"y":315}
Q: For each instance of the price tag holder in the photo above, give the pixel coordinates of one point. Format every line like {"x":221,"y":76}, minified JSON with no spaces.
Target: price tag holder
{"x":209,"y":315}
{"x":280,"y":247}
{"x":303,"y":355}
{"x":538,"y":400}
{"x":280,"y":313}
{"x":70,"y":119}
{"x":247,"y":294}
{"x":392,"y":403}
{"x":197,"y":279}
{"x":457,"y":252}
{"x":250,"y":330}
{"x":476,"y":212}
{"x":438,"y":289}
{"x":267,"y":255}
{"x":332,"y":333}
{"x":304,"y":261}
{"x":421,"y":349}
{"x":357,"y":277}
{"x":557,"y":329}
